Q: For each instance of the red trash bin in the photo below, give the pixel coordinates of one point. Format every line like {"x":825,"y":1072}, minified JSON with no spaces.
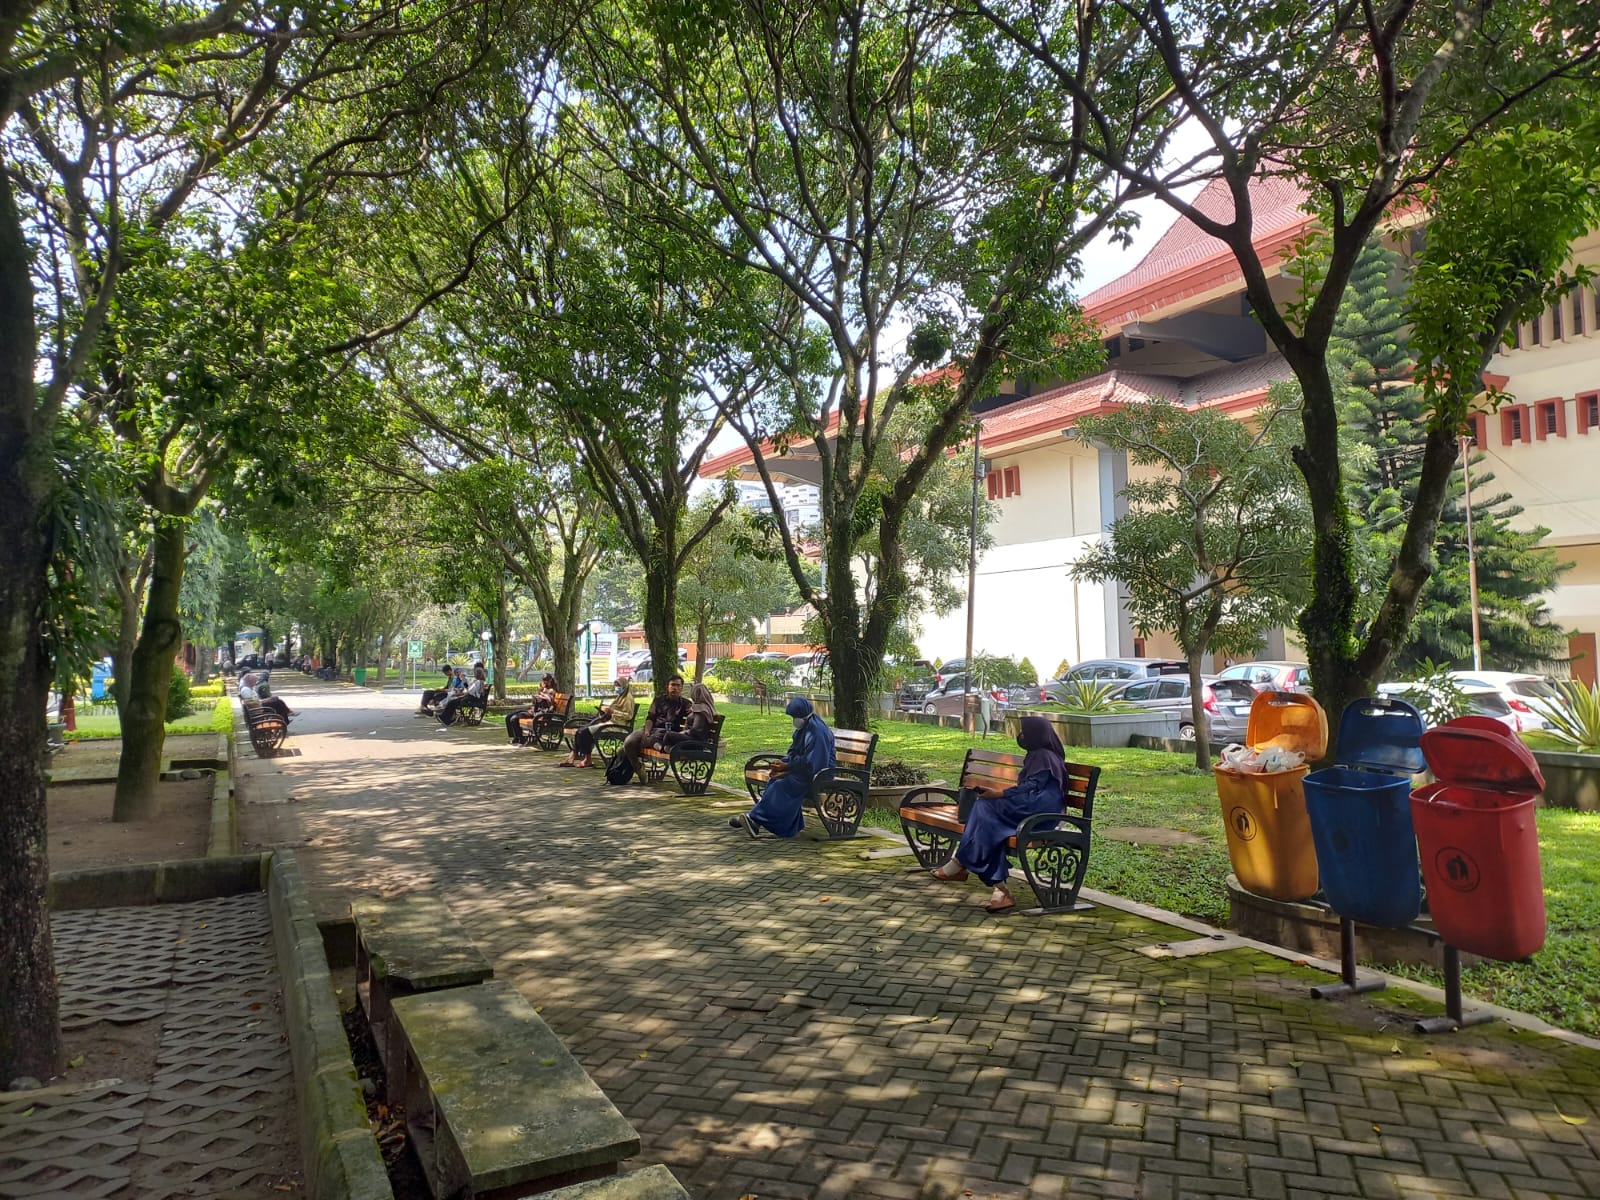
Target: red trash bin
{"x":1478,"y":841}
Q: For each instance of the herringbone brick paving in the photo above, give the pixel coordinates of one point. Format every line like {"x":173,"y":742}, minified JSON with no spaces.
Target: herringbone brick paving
{"x":786,"y":1020}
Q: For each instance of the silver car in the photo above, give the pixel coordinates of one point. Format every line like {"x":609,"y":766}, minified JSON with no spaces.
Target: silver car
{"x":1227,"y":704}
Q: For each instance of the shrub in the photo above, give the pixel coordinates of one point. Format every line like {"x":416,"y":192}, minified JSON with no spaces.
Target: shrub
{"x":1089,"y":698}
{"x":178,"y":702}
{"x":1574,"y":720}
{"x":894,"y":773}
{"x":740,"y":676}
{"x":1435,"y":694}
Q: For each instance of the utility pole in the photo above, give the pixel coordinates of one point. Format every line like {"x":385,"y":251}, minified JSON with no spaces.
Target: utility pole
{"x":1472,"y":554}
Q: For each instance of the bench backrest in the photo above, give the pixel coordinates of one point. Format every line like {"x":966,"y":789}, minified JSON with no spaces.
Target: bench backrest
{"x":990,"y":768}
{"x":716,"y":728}
{"x":562,"y":704}
{"x":853,"y":748}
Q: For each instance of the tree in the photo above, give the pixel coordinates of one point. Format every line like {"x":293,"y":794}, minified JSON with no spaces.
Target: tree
{"x":734,"y":577}
{"x":1211,"y":547}
{"x":872,"y":171}
{"x":1385,"y":420}
{"x":1370,"y":111}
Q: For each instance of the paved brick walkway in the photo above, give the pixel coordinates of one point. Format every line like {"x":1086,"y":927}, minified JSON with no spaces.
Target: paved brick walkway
{"x":214,"y":1114}
{"x":786,"y":1020}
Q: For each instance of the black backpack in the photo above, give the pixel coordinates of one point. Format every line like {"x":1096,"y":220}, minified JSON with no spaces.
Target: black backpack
{"x":620,"y":771}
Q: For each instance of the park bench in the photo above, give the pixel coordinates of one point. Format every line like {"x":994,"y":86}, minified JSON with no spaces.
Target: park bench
{"x":691,"y":762}
{"x":1051,"y":848}
{"x":405,"y":946}
{"x":608,"y":738}
{"x":546,"y":729}
{"x":839,"y":794}
{"x":473,"y":709}
{"x":495,"y":1105}
{"x":267,"y":728}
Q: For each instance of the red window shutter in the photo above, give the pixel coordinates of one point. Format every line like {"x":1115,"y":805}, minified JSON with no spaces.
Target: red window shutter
{"x":1588,"y":413}
{"x":1514,"y":424}
{"x":993,"y":481}
{"x":1478,"y":430}
{"x":1013,"y":481}
{"x":1550,"y":419}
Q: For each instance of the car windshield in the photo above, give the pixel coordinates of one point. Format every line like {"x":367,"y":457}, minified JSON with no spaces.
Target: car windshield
{"x":1487,"y":704}
{"x":1538,"y":689}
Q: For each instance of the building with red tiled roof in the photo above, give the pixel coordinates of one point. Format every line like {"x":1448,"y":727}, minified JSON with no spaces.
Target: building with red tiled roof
{"x":1178,"y":327}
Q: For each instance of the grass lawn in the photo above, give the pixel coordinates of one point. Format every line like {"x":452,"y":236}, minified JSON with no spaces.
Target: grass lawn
{"x":1143,"y":788}
{"x":216,"y":717}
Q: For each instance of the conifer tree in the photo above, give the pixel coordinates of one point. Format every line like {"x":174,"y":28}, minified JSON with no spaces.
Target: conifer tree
{"x":1385,"y":422}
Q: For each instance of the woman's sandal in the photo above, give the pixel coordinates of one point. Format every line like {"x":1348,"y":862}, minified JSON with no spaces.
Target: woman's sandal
{"x":1003,"y":903}
{"x":948,"y":875}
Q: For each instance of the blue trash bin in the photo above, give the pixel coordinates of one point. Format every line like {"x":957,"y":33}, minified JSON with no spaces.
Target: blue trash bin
{"x":1360,"y":813}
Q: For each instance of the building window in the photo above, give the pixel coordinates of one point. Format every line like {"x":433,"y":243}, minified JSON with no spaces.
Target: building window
{"x":1514,"y":424}
{"x":1536,"y":330}
{"x":1550,"y":418}
{"x":1580,"y":300}
{"x":1555,"y":321}
{"x":1013,"y":481}
{"x":991,"y":482}
{"x":1588,"y":413}
{"x":1478,"y":430}
{"x":1113,"y":347}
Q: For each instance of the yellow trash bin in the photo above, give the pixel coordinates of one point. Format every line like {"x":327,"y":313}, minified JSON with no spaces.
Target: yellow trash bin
{"x":1269,"y":834}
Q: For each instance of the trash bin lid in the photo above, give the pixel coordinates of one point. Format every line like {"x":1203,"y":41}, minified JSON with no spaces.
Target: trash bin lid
{"x":1382,"y":734}
{"x":1291,"y":720}
{"x":1481,"y":752}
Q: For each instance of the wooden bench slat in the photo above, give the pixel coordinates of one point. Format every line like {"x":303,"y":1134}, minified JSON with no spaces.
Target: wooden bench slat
{"x":514,"y":1104}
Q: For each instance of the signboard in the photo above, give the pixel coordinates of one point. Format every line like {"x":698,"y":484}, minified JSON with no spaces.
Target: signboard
{"x":602,"y":657}
{"x":414,"y":649}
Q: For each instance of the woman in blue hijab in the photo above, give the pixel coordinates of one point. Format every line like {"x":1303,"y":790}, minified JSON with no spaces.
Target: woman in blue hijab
{"x":779,"y":809}
{"x":1040,"y":788}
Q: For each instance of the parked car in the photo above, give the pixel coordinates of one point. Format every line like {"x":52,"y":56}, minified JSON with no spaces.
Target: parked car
{"x":1522,"y":692}
{"x":948,"y":700}
{"x":644,"y":673}
{"x":1271,"y":676}
{"x":1110,"y":670}
{"x":766,"y":656}
{"x":1226,"y":703}
{"x":1482,"y":701}
{"x":808,"y":669}
{"x":628,"y":660}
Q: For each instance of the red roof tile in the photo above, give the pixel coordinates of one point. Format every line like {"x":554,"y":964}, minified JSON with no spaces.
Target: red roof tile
{"x":1058,"y":408}
{"x":1185,"y":261}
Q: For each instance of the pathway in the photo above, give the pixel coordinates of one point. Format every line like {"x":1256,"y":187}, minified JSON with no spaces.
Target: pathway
{"x":787,"y":1020}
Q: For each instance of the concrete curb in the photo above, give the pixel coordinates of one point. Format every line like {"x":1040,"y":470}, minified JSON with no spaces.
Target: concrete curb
{"x":223,"y":839}
{"x":337,"y":1149}
{"x":176,"y":882}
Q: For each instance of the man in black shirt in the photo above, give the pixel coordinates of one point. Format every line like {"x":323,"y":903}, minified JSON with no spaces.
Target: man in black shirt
{"x":667,"y":715}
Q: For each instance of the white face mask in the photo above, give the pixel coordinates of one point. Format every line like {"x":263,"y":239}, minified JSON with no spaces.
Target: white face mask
{"x":799,"y":722}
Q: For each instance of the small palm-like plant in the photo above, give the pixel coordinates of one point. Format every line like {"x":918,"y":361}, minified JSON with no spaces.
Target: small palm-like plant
{"x":1089,"y":698}
{"x":1574,"y":720}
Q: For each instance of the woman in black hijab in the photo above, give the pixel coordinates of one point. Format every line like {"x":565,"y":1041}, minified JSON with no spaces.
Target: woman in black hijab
{"x":1040,"y":788}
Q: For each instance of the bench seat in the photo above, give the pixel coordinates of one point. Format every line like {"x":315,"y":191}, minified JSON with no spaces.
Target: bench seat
{"x":495,"y":1104}
{"x":267,"y":728}
{"x":1051,"y":848}
{"x":692,"y":762}
{"x":405,"y":946}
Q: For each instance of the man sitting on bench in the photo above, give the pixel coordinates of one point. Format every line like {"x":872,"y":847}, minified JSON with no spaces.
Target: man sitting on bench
{"x":1040,"y":788}
{"x":473,"y":696}
{"x":667,"y":715}
{"x":433,"y":697}
{"x":251,"y":688}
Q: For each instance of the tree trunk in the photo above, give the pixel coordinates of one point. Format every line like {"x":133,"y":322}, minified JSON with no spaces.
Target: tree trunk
{"x":1197,"y":713}
{"x":30,"y":1032}
{"x":383,"y":657}
{"x":853,"y":661}
{"x":202,"y":665}
{"x":501,"y":627}
{"x":660,"y":619}
{"x":145,"y":717}
{"x":702,"y":620}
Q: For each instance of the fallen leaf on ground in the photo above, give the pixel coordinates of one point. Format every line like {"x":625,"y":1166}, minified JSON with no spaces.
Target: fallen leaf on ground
{"x":76,"y":1061}
{"x":1571,"y":1120}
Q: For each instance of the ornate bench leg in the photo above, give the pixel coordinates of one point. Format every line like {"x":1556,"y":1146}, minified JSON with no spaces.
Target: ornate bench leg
{"x":933,"y":847}
{"x":841,"y":810}
{"x":652,"y":770}
{"x":608,"y":745}
{"x":548,"y":736}
{"x":1054,"y":862}
{"x":693,"y":773}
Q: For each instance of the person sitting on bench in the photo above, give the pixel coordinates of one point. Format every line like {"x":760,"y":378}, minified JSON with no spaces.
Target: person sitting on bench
{"x":251,"y":688}
{"x":697,"y":725}
{"x":433,"y":697}
{"x":1040,"y":788}
{"x":619,"y":712}
{"x":779,"y":809}
{"x":473,"y":695}
{"x":667,"y":715}
{"x":543,"y":702}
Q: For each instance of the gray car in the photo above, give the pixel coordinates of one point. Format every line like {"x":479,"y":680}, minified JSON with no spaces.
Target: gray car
{"x":1227,"y":704}
{"x":1110,"y":670}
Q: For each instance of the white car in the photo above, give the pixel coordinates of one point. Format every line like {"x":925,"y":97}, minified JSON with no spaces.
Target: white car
{"x":1522,"y":692}
{"x":1482,"y":701}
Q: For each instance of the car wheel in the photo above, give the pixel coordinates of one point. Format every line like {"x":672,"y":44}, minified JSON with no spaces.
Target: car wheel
{"x":929,"y":710}
{"x":1186,"y":733}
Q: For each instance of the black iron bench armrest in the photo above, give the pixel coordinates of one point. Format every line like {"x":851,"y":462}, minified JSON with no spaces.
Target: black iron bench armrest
{"x":929,"y":797}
